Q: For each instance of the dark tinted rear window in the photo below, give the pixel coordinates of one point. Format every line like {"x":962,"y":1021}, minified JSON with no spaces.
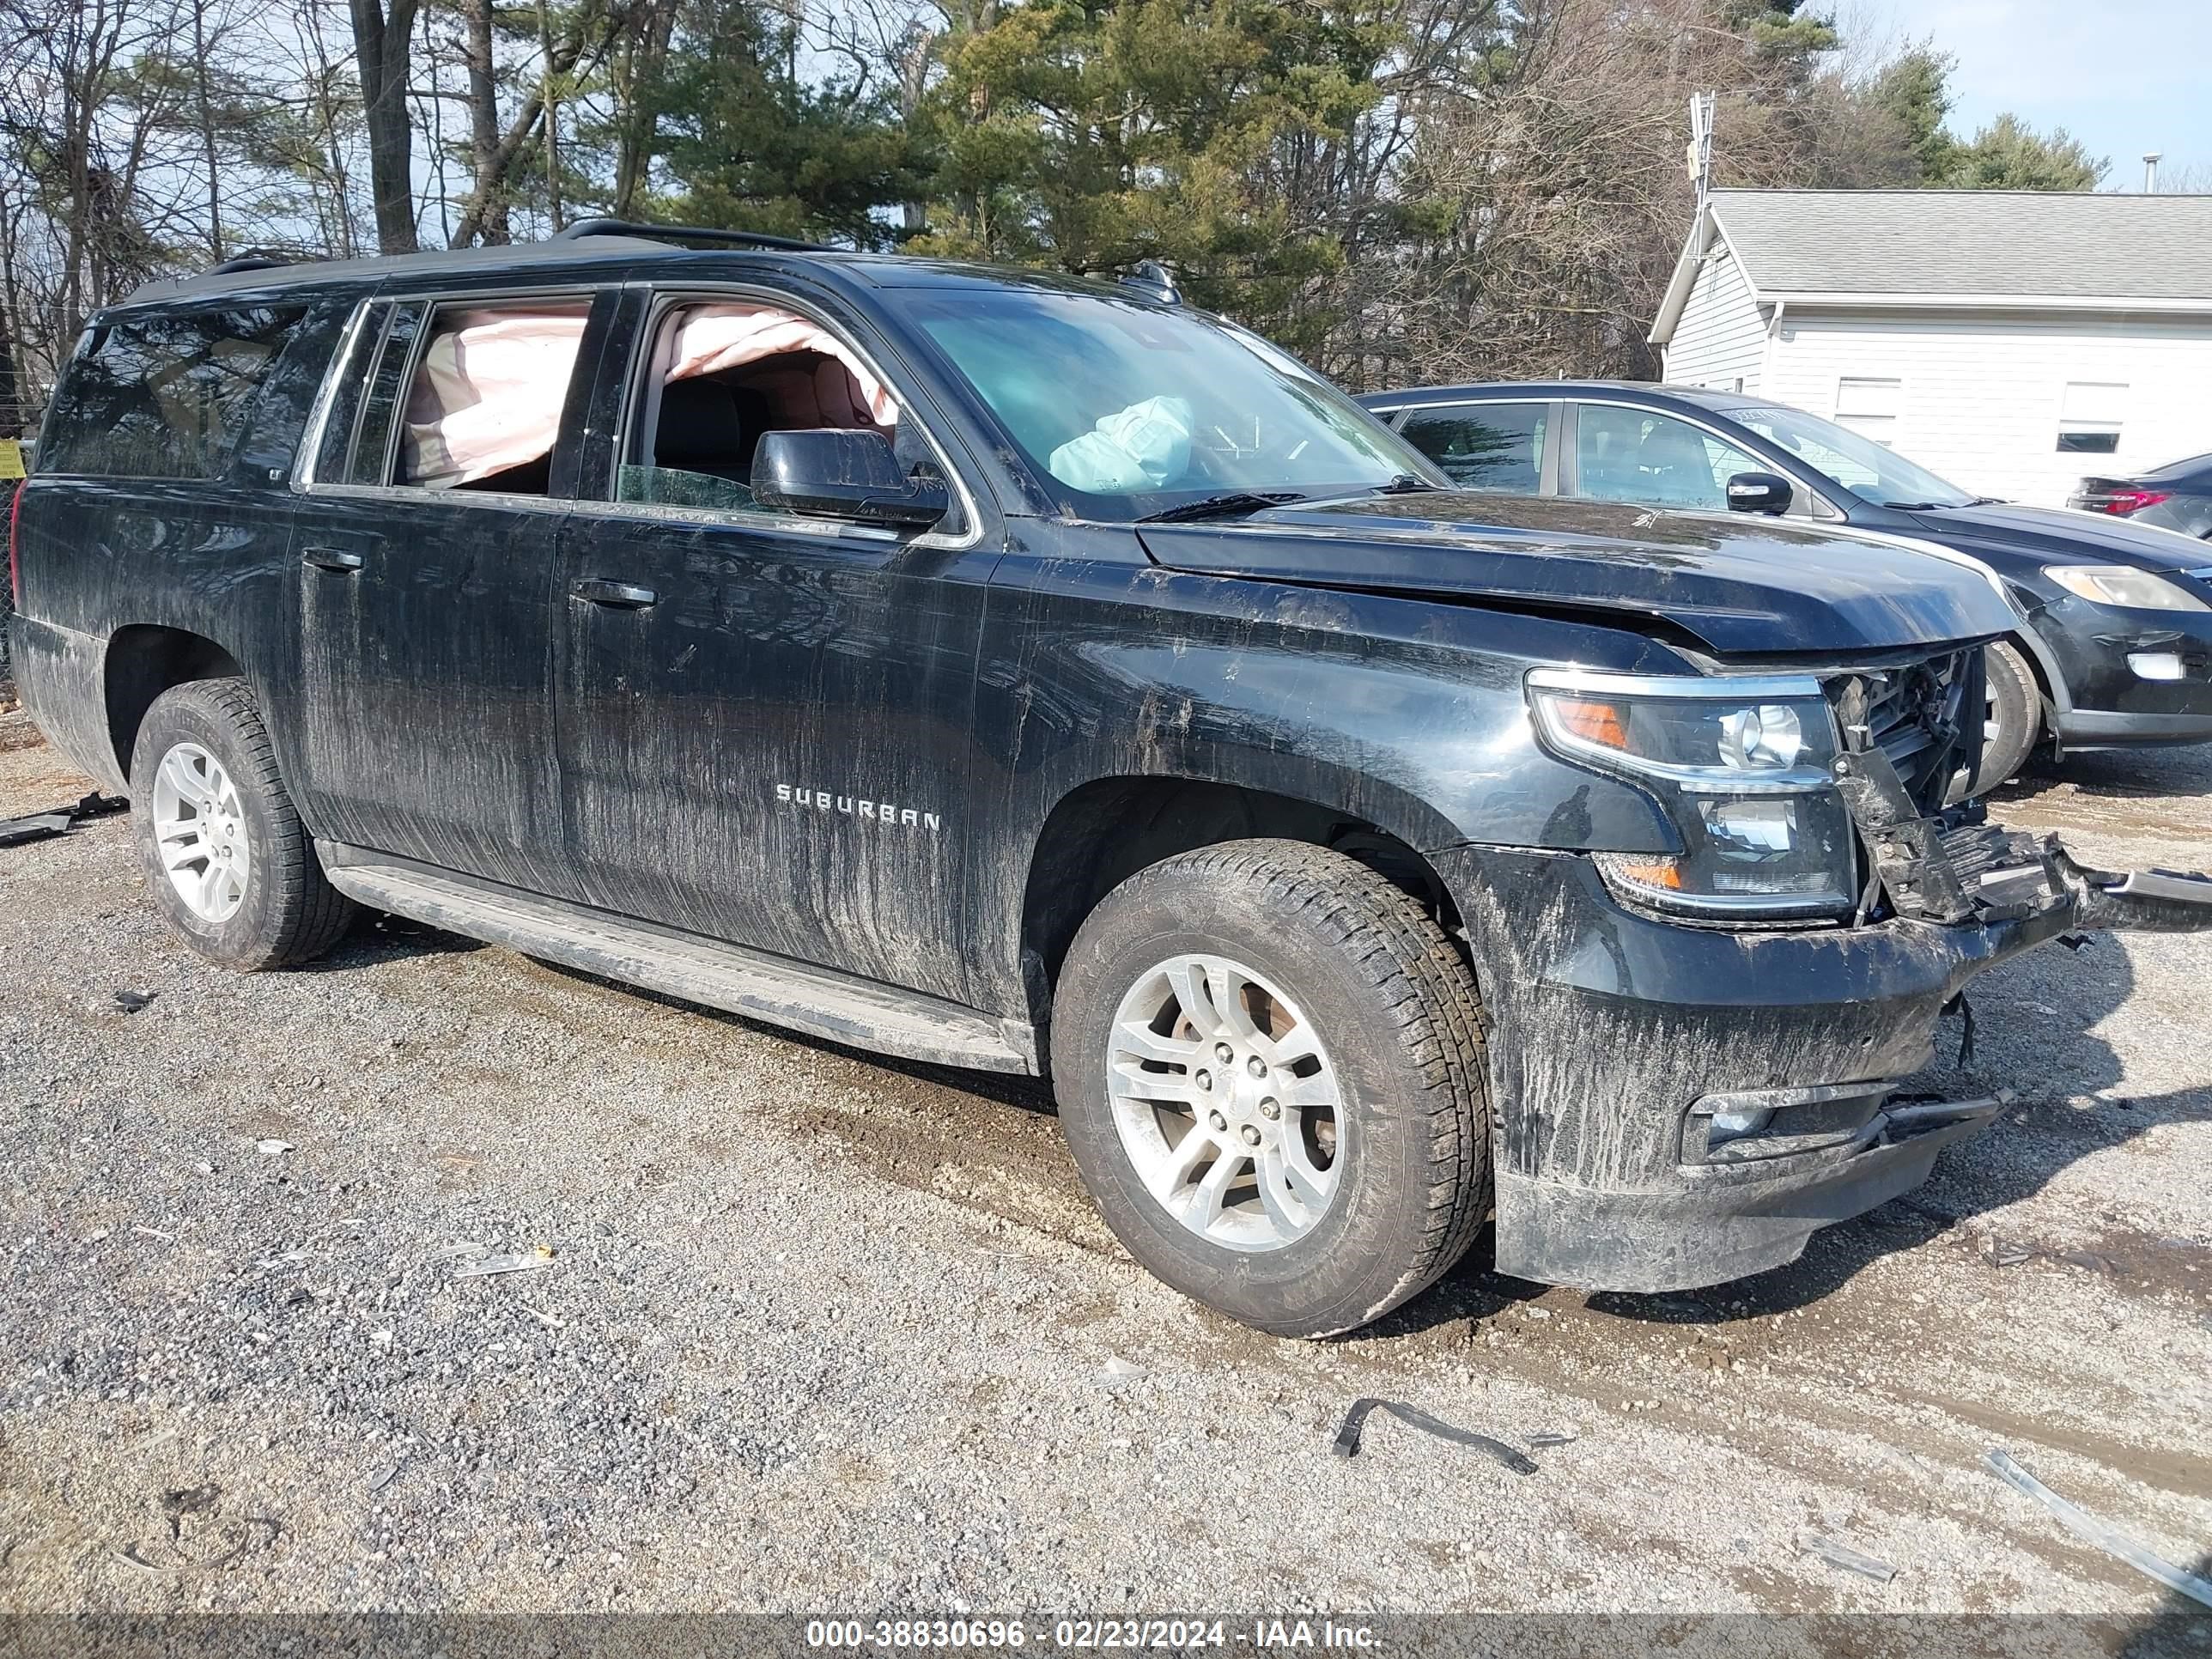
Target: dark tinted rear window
{"x":1483,"y":446}
{"x":163,"y":397}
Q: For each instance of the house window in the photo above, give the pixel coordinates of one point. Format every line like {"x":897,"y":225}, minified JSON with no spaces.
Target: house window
{"x":1870,"y":408}
{"x":2089,"y":418}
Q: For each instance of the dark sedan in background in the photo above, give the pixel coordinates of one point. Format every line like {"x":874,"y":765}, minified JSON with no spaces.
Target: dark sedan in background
{"x":2115,"y":642}
{"x":2176,"y":496}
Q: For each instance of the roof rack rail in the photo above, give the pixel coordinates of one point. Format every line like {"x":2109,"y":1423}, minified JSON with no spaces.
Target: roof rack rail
{"x":701,"y":234}
{"x":254,"y":261}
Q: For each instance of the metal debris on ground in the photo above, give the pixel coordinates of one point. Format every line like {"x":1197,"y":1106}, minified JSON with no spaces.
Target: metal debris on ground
{"x":515,"y":1262}
{"x":273,"y":1148}
{"x":132,"y":1001}
{"x":2002,"y":1255}
{"x":2106,"y":1537}
{"x":1538,"y":1442}
{"x":1843,"y":1555}
{"x":1348,"y":1438}
{"x":459,"y":1247}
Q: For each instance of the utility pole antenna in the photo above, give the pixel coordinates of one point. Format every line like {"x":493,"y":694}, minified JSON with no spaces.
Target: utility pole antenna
{"x":2150,"y":171}
{"x":1701,"y":144}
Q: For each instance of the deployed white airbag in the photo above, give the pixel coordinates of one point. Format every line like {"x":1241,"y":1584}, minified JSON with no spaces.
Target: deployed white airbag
{"x":1144,"y":446}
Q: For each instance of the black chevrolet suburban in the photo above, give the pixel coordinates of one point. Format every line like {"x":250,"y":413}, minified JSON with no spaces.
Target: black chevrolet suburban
{"x":1025,"y":674}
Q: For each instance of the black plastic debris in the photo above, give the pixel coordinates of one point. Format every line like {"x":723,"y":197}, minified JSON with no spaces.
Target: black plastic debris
{"x":2074,"y":941}
{"x":1348,"y":1438}
{"x":1964,"y":1010}
{"x":39,"y":825}
{"x":132,"y":1001}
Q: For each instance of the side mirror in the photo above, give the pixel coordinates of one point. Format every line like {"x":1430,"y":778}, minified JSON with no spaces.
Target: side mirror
{"x":834,"y":473}
{"x":1759,"y":492}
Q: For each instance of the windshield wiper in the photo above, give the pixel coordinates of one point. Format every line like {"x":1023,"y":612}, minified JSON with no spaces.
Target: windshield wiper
{"x":1215,"y":507}
{"x":1405,"y":484}
{"x":1914,"y":507}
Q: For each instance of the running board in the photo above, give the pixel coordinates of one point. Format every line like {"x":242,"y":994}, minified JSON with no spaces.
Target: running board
{"x":858,"y":1012}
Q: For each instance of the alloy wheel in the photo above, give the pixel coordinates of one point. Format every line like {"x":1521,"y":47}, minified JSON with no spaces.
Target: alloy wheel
{"x":1226,"y":1101}
{"x":199,"y":831}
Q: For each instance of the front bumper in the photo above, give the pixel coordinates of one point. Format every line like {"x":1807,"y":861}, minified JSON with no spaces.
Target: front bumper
{"x":2110,"y":703}
{"x":1616,"y":1036}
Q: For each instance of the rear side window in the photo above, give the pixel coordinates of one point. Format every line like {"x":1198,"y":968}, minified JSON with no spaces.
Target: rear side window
{"x":163,"y":396}
{"x":1483,"y":446}
{"x":466,"y":396}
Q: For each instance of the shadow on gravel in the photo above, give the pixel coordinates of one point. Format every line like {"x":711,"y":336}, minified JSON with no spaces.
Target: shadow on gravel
{"x":2179,"y":1626}
{"x":1027,"y":1094}
{"x":375,"y":939}
{"x":2118,"y":773}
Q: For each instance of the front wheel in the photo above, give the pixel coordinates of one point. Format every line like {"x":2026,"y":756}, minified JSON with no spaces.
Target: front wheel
{"x":2012,"y":719}
{"x":1269,"y":1064}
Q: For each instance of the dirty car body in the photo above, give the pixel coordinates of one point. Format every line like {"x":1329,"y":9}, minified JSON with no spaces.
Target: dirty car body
{"x":1673,"y":783}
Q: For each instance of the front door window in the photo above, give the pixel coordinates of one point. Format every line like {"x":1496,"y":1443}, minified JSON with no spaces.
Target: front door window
{"x":1653,"y":460}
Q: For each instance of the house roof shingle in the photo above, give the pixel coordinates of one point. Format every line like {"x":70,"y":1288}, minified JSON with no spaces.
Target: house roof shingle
{"x":1930,"y":244}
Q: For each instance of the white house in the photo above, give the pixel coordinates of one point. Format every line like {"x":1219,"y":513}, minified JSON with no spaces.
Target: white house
{"x":2011,"y":341}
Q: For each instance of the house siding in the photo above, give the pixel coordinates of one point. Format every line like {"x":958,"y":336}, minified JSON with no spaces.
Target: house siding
{"x":1721,"y":339}
{"x":1983,"y":396}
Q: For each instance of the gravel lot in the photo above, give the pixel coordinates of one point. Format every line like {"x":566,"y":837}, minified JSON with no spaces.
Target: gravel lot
{"x":820,"y":1333}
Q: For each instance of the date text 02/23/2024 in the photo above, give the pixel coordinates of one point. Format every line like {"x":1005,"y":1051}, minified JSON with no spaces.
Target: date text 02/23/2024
{"x":1125,"y":1634}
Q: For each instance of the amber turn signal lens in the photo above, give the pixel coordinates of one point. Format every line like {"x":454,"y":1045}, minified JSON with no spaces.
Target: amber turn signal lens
{"x":1662,"y":873}
{"x":1593,"y":721}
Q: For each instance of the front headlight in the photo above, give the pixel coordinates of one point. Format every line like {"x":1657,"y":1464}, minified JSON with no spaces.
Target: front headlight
{"x":2124,"y":585}
{"x":1742,"y":767}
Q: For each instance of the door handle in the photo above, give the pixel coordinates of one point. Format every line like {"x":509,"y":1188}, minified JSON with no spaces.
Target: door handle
{"x":620,"y":596}
{"x":331,"y":558}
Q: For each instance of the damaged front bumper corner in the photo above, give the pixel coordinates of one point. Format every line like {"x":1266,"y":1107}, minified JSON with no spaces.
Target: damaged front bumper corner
{"x":1678,"y":1106}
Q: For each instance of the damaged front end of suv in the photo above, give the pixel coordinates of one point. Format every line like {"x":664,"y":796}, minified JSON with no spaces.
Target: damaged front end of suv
{"x":1700,"y":1055}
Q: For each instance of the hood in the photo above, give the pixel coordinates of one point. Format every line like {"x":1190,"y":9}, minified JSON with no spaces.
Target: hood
{"x":1744,"y":586}
{"x":2055,"y":535}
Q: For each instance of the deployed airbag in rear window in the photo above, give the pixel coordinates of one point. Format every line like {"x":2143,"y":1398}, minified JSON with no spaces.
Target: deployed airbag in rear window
{"x":488,"y":394}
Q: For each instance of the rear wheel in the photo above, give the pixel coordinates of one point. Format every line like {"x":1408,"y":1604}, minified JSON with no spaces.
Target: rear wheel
{"x":1270,"y":1067}
{"x":2013,"y":719}
{"x":226,"y":857}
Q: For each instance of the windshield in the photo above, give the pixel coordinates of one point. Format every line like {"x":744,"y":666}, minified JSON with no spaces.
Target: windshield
{"x":1860,"y":465}
{"x":1131,"y":408}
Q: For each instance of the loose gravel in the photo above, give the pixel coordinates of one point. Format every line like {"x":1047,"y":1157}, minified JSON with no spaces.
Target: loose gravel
{"x":790,"y":1328}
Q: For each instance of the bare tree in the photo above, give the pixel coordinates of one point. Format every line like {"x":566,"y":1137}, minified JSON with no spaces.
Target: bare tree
{"x":382,"y":37}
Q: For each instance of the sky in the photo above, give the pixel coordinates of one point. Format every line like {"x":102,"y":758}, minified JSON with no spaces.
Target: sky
{"x":2122,"y":75}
